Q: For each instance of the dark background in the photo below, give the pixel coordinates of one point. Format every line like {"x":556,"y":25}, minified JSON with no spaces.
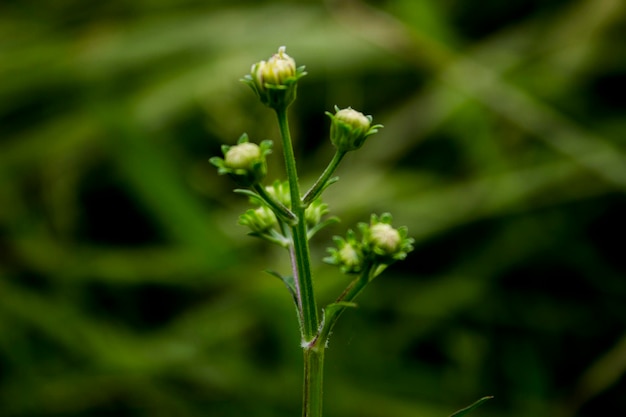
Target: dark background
{"x":128,"y":289}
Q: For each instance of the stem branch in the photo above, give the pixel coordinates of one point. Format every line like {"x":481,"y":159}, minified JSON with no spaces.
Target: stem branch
{"x":283,"y":212}
{"x":322,"y":181}
{"x":344,"y":301}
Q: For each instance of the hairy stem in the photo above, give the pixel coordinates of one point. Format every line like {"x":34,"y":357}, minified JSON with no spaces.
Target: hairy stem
{"x":313,"y":380}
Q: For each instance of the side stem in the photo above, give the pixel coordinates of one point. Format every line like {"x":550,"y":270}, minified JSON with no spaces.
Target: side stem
{"x":322,"y":181}
{"x":283,"y":212}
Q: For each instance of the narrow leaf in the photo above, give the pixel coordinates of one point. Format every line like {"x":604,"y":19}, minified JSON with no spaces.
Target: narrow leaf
{"x":312,"y":231}
{"x":331,"y":314}
{"x":289,"y":283}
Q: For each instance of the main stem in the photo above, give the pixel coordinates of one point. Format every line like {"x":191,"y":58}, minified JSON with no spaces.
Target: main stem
{"x":313,"y":381}
{"x":313,"y":354}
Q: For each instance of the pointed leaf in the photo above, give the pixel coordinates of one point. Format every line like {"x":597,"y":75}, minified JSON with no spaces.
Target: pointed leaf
{"x":289,"y":283}
{"x":253,"y":196}
{"x":312,"y":231}
{"x":331,"y":314}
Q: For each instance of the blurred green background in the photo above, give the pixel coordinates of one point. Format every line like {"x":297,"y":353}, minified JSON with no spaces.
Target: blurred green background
{"x":128,"y":289}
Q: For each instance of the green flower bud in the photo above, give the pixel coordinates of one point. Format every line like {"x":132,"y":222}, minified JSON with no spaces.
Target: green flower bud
{"x":244,"y":162}
{"x":314,"y":213}
{"x":348,"y":254}
{"x":350,"y":257}
{"x":274,"y":81}
{"x":349,"y":128}
{"x":242,"y":156}
{"x":280,"y":191}
{"x":259,"y":220}
{"x":380,"y":245}
{"x":275,"y":71}
{"x":384,"y":238}
{"x":382,"y":242}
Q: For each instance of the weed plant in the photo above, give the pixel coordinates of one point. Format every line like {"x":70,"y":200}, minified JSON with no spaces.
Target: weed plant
{"x":284,"y":216}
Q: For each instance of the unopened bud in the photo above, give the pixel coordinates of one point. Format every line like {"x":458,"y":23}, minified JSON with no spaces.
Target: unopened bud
{"x":244,"y":162}
{"x":382,"y":242}
{"x":384,"y":238}
{"x":259,"y":220}
{"x":278,"y":70}
{"x":348,"y":254}
{"x":349,"y":128}
{"x":243,"y":156}
{"x":274,"y":81}
{"x":350,"y":258}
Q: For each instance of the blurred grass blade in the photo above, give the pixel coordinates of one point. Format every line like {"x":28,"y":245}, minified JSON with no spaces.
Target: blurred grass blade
{"x":466,"y":410}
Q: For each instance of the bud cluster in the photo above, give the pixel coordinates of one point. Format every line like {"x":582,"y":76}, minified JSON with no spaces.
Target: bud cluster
{"x":263,"y":222}
{"x":380,"y":244}
{"x":290,"y":224}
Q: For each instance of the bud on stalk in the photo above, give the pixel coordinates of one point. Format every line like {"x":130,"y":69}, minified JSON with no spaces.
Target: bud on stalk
{"x":274,"y":81}
{"x":349,"y":128}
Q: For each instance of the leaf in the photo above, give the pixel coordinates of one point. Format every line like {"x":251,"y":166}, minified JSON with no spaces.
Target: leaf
{"x":333,"y":309}
{"x":312,"y":231}
{"x":331,"y":314}
{"x":466,"y":410}
{"x":289,"y":283}
{"x":253,"y":196}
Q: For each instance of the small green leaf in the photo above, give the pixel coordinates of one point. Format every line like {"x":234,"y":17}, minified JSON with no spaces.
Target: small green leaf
{"x":312,"y":231}
{"x":289,"y":283}
{"x":333,"y":309}
{"x":331,"y":314}
{"x":466,"y":410}
{"x":253,"y":196}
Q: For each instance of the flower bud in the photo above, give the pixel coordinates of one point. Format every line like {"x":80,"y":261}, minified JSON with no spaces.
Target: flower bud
{"x":274,"y":81}
{"x":244,"y":162}
{"x":349,"y":128}
{"x":314,"y":212}
{"x":259,"y":220}
{"x":380,"y":245}
{"x":275,"y":71}
{"x":350,"y":258}
{"x":384,"y":238}
{"x":382,"y":242}
{"x":348,"y":254}
{"x":242,"y":156}
{"x":280,"y":191}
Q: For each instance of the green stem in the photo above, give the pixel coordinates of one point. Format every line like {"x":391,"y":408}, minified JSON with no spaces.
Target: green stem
{"x":313,"y":380}
{"x":299,"y":232}
{"x":283,"y":212}
{"x":313,"y":354}
{"x":344,"y":301}
{"x":322,"y":181}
